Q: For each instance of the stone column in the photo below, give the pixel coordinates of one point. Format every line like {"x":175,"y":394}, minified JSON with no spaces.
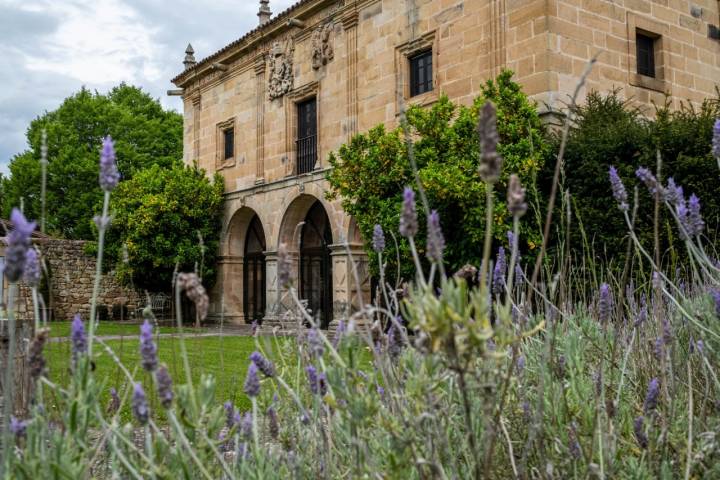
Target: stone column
{"x":277,"y":299}
{"x":260,"y":102}
{"x":350,"y":23}
{"x":226,"y":297}
{"x":351,"y":281}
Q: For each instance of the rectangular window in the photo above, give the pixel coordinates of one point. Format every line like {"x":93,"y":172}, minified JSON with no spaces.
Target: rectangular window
{"x":421,"y":73}
{"x":307,"y":136}
{"x":229,"y":142}
{"x":645,"y":55}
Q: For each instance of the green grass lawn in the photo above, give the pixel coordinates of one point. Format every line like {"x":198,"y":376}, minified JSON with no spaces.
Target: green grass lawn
{"x":226,"y":358}
{"x":62,"y":329}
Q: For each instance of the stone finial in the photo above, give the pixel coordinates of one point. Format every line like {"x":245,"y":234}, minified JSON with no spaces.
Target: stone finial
{"x":264,"y":14}
{"x":189,"y":57}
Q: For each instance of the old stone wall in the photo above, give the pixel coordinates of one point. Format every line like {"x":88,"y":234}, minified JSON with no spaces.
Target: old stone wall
{"x":71,"y":281}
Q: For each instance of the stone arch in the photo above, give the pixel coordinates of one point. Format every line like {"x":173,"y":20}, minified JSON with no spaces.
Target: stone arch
{"x":235,"y":232}
{"x":294,"y":214}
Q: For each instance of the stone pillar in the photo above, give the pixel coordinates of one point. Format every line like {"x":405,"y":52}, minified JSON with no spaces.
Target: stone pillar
{"x":260,"y":102}
{"x":278,"y":301}
{"x":226,"y":297}
{"x":350,"y":23}
{"x":351,"y":281}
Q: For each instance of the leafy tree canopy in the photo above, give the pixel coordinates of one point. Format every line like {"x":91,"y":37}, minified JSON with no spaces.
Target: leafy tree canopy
{"x":608,"y":131}
{"x":163,"y":217}
{"x":369,"y":174}
{"x":144,"y":135}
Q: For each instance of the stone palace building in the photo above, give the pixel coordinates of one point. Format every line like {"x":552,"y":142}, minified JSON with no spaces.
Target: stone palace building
{"x":266,"y":110}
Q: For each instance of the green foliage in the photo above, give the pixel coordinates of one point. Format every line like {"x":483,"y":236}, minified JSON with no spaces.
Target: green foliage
{"x":609,"y":132}
{"x":164,"y":217}
{"x":144,"y":135}
{"x":370,"y":173}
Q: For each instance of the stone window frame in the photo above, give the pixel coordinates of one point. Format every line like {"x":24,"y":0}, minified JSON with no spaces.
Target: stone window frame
{"x":403,"y":53}
{"x":292,"y":99}
{"x":658,"y":31}
{"x":220,"y":128}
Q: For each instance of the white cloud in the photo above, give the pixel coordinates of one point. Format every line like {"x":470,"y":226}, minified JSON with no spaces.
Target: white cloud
{"x":53,"y":47}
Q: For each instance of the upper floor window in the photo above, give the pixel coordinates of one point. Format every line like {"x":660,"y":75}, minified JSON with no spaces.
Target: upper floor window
{"x":421,"y":73}
{"x":307,"y":136}
{"x":229,"y":143}
{"x":645,"y":54}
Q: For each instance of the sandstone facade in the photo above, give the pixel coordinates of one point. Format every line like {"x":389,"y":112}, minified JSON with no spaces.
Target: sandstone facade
{"x":354,"y":58}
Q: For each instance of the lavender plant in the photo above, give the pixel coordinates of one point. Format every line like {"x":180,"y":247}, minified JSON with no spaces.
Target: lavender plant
{"x":460,"y":384}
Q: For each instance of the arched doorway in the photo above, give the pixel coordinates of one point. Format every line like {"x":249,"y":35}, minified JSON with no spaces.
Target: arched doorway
{"x":254,"y":272}
{"x":315,"y":264}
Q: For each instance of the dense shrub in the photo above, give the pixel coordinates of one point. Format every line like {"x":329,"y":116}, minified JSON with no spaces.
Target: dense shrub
{"x":165,"y":217}
{"x":146,"y":135}
{"x":608,"y":131}
{"x":369,"y":174}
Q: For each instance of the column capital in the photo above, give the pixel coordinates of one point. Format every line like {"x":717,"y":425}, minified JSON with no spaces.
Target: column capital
{"x":350,"y":20}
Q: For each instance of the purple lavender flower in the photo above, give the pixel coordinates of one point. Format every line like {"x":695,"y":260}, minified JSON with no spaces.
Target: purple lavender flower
{"x":573,"y":444}
{"x":716,"y":300}
{"x":435,"y":239}
{"x":674,"y":193}
{"x":229,"y":414}
{"x":695,"y":222}
{"x":139,"y":404}
{"x":109,"y":175}
{"x":659,"y":348}
{"x":618,"y":189}
{"x":315,"y":342}
{"x":114,"y":404}
{"x":339,"y":332}
{"x":164,"y":386}
{"x":36,"y":359}
{"x":408,"y":216}
{"x":273,"y":424}
{"x":604,"y":303}
{"x":516,"y":197}
{"x":148,"y":349}
{"x":18,"y":242}
{"x":651,"y":398}
{"x":263,"y":364}
{"x":378,"y":240}
{"x":394,"y":340}
{"x":642,"y":313}
{"x":520,"y":365}
{"x":252,"y":382}
{"x":490,"y":160}
{"x":649,"y":180}
{"x":254,"y":326}
{"x":639,"y":429}
{"x":18,"y":427}
{"x":246,"y":426}
{"x":716,"y":139}
{"x":700,"y":346}
{"x":499,"y":272}
{"x":32,"y":268}
{"x":78,"y":337}
{"x":316,"y":380}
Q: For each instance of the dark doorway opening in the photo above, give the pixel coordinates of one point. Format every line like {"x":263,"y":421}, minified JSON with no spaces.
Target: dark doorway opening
{"x":254,"y":272}
{"x":316,"y":265}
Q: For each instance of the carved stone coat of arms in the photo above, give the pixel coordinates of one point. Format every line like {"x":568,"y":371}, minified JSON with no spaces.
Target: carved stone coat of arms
{"x":281,"y":70}
{"x":322,"y":49}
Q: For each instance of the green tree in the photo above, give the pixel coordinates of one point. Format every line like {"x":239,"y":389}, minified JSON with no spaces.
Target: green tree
{"x":608,"y":131}
{"x":369,"y":174}
{"x":144,"y":135}
{"x":163,"y":217}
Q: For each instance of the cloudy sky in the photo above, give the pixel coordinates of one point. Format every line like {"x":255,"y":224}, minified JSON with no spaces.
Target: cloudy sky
{"x":50,"y":48}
